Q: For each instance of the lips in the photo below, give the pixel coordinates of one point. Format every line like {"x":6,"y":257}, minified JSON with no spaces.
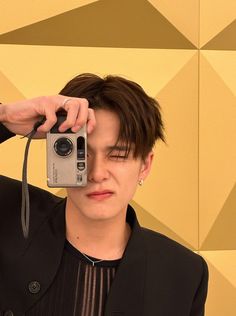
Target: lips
{"x":100,"y":195}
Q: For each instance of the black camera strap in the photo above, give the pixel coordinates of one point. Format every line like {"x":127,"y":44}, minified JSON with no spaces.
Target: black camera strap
{"x":25,"y":202}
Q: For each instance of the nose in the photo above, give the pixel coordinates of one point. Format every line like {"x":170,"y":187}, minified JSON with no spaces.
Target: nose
{"x":97,"y":170}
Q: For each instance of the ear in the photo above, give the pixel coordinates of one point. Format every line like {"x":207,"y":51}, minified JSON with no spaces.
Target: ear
{"x":146,"y":165}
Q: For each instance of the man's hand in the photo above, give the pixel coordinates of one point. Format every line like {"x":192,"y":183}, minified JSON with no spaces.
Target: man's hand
{"x":20,"y":117}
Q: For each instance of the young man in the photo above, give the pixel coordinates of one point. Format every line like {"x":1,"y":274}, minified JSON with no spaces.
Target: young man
{"x":87,"y":255}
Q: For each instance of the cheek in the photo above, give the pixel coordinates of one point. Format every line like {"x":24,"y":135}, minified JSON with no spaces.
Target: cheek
{"x":128,"y":182}
{"x":75,"y":194}
{"x":130,"y":173}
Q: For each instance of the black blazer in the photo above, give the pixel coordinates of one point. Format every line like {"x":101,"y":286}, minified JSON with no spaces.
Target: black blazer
{"x":156,"y":277}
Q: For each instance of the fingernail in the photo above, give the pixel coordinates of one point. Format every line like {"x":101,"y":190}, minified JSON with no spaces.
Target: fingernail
{"x":61,"y":129}
{"x":76,"y":128}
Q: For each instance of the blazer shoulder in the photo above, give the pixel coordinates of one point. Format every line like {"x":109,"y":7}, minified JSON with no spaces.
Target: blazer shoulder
{"x":179,"y":261}
{"x":46,"y":210}
{"x":158,"y":243}
{"x":11,"y":194}
{"x":176,"y":266}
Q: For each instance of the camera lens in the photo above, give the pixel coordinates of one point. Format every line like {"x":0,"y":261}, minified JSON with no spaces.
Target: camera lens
{"x":63,"y":146}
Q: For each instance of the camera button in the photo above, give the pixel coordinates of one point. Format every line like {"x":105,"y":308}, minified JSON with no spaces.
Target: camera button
{"x":81,"y":166}
{"x":79,"y":178}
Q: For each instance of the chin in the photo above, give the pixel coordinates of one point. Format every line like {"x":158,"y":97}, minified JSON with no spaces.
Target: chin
{"x":99,"y":212}
{"x":98,"y":216}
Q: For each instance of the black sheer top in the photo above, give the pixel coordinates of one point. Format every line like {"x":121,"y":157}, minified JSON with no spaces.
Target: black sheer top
{"x":79,"y":288}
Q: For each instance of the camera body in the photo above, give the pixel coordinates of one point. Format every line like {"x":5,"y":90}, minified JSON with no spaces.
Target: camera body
{"x":66,"y":156}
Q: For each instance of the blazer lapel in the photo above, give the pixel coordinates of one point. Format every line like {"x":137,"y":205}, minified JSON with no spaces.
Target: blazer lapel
{"x":127,"y":291}
{"x":47,"y":242}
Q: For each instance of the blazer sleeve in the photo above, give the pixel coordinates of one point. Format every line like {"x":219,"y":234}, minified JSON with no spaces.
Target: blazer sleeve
{"x":5,"y":133}
{"x":198,"y":306}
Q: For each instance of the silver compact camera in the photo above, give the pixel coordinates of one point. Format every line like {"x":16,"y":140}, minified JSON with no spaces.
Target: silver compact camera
{"x":66,"y":156}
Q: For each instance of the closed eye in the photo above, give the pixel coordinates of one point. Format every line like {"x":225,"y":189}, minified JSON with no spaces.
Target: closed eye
{"x":113,"y":156}
{"x":118,"y":157}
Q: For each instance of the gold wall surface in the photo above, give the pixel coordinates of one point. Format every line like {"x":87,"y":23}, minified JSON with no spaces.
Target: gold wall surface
{"x":183,"y":52}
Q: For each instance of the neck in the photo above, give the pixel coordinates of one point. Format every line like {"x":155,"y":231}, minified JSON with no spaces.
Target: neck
{"x":103,"y":239}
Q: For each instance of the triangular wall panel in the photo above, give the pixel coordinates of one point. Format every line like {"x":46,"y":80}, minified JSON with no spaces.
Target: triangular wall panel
{"x":144,"y":28}
{"x":9,"y":93}
{"x":221,"y":293}
{"x":225,"y":40}
{"x":63,"y":63}
{"x":33,"y":11}
{"x":187,"y":24}
{"x":224,"y":63}
{"x":216,"y":145}
{"x":215,"y":16}
{"x":222,"y":235}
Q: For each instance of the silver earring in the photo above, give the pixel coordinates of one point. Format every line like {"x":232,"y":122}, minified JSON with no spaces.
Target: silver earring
{"x":140,"y":182}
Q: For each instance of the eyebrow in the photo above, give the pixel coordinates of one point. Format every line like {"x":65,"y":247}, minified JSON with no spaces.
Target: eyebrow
{"x":111,"y":148}
{"x":117,"y":147}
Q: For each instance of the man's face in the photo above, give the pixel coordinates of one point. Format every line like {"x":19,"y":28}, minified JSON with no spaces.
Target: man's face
{"x":112,"y":178}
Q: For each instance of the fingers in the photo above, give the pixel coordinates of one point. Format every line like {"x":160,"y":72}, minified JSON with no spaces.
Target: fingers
{"x":78,"y":114}
{"x":91,"y":122}
{"x":50,"y":121}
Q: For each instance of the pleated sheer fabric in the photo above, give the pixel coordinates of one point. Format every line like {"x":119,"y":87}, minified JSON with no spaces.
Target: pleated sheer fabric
{"x":79,"y":288}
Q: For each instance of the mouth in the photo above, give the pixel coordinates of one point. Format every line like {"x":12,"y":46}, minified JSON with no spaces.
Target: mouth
{"x":100,"y":195}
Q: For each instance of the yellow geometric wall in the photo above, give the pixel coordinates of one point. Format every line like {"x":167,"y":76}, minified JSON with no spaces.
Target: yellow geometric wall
{"x":183,"y":52}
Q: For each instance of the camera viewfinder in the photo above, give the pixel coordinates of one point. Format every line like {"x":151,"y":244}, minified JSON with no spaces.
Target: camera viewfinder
{"x":80,"y":148}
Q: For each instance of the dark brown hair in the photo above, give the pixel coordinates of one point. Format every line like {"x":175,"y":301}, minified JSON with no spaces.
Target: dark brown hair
{"x":139,"y":114}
